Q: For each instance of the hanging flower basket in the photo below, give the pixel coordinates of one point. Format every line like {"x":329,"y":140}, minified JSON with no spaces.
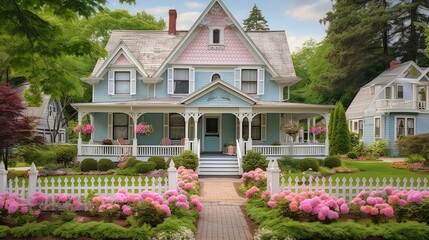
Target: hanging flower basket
{"x":85,"y":129}
{"x":317,"y":130}
{"x":292,"y":128}
{"x":144,"y":129}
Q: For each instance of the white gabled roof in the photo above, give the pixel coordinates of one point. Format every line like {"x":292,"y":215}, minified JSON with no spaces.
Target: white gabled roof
{"x":121,"y":47}
{"x":222,"y":85}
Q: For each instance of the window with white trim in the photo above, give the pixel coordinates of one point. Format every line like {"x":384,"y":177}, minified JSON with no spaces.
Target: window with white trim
{"x":405,"y":126}
{"x":360,"y":128}
{"x":176,"y":126}
{"x":216,"y":35}
{"x":120,"y":126}
{"x":249,"y":80}
{"x":122,"y":82}
{"x":388,"y":92}
{"x":52,"y":109}
{"x":181,"y":80}
{"x":377,"y":127}
{"x":399,"y":92}
{"x":259,"y":127}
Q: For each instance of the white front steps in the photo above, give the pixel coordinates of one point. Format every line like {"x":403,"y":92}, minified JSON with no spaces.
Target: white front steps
{"x":217,"y":164}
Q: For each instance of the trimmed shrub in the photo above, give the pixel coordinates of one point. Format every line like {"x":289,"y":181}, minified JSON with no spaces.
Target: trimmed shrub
{"x":308,"y":163}
{"x":50,"y":167}
{"x":187,"y":159}
{"x":287,"y":164}
{"x":88,"y":164}
{"x":340,"y":136}
{"x":332,"y":161}
{"x":65,"y":154}
{"x":413,"y":158}
{"x":105,"y":164}
{"x":159,"y":161}
{"x":253,"y":160}
{"x":352,"y":155}
{"x":414,"y":144}
{"x":131,"y":162}
{"x":145,"y":167}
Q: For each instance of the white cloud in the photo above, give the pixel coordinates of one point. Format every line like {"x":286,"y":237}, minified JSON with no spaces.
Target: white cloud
{"x":185,"y":20}
{"x":309,"y":11}
{"x":194,"y":5}
{"x":296,"y":42}
{"x":158,"y":12}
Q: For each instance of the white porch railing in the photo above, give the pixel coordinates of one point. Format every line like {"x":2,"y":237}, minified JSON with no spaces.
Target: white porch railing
{"x":106,"y":150}
{"x":400,"y":104}
{"x":289,"y":150}
{"x":156,"y":150}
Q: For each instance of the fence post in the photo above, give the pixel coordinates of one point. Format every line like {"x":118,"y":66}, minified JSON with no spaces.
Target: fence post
{"x":172,"y":176}
{"x":275,"y":178}
{"x":269,"y":177}
{"x":32,"y":181}
{"x":3,"y":178}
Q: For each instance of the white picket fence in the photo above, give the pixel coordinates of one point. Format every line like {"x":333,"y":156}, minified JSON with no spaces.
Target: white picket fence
{"x":346,"y":188}
{"x":86,"y":186}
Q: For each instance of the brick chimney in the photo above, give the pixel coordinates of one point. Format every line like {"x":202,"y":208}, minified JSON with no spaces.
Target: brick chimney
{"x":394,"y":63}
{"x":172,"y":14}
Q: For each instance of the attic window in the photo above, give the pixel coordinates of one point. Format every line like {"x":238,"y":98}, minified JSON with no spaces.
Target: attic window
{"x":372,"y":90}
{"x":216,"y":35}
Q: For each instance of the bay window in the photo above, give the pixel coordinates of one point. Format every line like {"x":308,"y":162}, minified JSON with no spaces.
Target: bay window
{"x":405,"y":126}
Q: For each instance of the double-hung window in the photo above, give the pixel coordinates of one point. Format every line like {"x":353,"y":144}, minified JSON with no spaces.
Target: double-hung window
{"x":388,"y":92}
{"x":122,"y":82}
{"x":177,"y":126}
{"x":120,"y":125}
{"x":181,"y":80}
{"x":377,"y":127}
{"x":256,"y":128}
{"x":405,"y":126}
{"x":250,"y":81}
{"x":399,"y":92}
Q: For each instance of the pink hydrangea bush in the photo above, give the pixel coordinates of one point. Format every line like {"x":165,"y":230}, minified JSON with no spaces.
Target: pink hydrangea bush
{"x":310,"y":205}
{"x":177,"y":201}
{"x":257,"y":177}
{"x":38,"y":203}
{"x":11,"y":205}
{"x":64,"y":201}
{"x":187,"y":181}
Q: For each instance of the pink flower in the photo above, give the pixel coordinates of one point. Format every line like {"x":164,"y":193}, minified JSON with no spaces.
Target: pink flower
{"x":76,"y":203}
{"x":401,"y":202}
{"x":265,"y":194}
{"x":126,"y":210}
{"x":166,"y":210}
{"x":388,"y":212}
{"x":374,"y":211}
{"x":12,"y":206}
{"x":37,"y":213}
{"x":251,"y":191}
{"x":182,"y":205}
{"x":272,"y":204}
{"x":24,"y":210}
{"x":306,"y":206}
{"x":344,"y":209}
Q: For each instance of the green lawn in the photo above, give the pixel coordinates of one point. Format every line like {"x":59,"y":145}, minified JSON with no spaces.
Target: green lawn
{"x":372,"y":169}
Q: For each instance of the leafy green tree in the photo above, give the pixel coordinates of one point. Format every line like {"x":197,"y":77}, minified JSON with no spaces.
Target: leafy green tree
{"x":341,"y":142}
{"x":255,"y":21}
{"x":426,"y":33}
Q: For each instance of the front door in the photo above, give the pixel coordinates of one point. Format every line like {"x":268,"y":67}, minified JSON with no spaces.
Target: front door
{"x":211,"y":134}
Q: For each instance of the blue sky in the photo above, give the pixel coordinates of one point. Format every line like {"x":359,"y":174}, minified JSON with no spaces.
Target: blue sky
{"x":300,"y":18}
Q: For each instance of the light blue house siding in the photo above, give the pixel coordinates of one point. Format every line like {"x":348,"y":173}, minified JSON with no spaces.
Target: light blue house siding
{"x":273,"y":128}
{"x":368,"y":132}
{"x":228,"y":128}
{"x":422,"y":123}
{"x":100,"y":124}
{"x":156,"y":120}
{"x":272,"y":90}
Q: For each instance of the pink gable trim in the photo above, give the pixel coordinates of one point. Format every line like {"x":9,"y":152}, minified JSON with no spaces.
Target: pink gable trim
{"x":199,"y":52}
{"x":122,"y":60}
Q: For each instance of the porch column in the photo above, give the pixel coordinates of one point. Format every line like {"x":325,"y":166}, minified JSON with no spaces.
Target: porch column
{"x":415,"y":98}
{"x":186,"y":132}
{"x":308,"y":130}
{"x":314,"y":125}
{"x":135,"y":146}
{"x":240,"y":131}
{"x":327,"y":116}
{"x":91,"y":120}
{"x":195,"y":147}
{"x":249,"y":140}
{"x":79,"y":139}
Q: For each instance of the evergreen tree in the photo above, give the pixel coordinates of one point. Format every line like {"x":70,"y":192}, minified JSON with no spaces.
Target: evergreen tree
{"x":341,"y":142}
{"x":408,"y":38}
{"x":255,"y":21}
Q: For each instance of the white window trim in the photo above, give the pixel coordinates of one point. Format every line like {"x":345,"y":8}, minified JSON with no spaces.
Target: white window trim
{"x":221,"y":35}
{"x":211,"y":77}
{"x":406,"y":127}
{"x":132,"y":81}
{"x":381,"y":128}
{"x":191,"y":80}
{"x":385,"y":92}
{"x":258,"y":80}
{"x":397,"y":92}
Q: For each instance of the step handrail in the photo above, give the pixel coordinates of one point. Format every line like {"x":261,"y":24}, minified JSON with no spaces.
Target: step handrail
{"x":239,"y":157}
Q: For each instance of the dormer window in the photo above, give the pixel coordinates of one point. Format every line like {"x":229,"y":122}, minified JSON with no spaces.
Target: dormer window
{"x":216,"y":35}
{"x":122,"y":82}
{"x":399,"y":92}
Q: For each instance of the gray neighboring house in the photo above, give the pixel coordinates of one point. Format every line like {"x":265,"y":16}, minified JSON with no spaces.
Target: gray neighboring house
{"x":45,"y":115}
{"x":393,"y":104}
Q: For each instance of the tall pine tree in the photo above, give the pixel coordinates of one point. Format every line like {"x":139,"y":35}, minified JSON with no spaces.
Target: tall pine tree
{"x":340,"y":142}
{"x":255,"y":21}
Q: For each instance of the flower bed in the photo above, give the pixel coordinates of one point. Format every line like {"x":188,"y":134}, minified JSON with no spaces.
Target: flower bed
{"x":127,"y":215}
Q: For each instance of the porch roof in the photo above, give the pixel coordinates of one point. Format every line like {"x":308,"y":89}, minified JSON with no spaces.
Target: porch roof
{"x":175,"y":103}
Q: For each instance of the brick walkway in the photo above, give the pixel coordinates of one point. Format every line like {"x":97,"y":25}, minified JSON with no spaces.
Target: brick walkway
{"x":222,"y":217}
